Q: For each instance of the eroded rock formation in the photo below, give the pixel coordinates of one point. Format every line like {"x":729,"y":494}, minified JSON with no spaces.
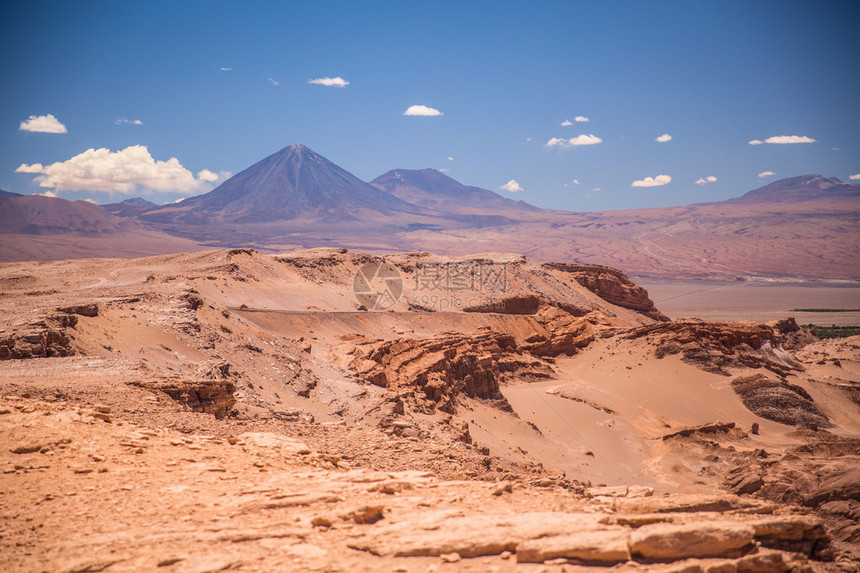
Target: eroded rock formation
{"x":716,"y":346}
{"x":612,"y":286}
{"x":779,"y":401}
{"x":440,"y":368}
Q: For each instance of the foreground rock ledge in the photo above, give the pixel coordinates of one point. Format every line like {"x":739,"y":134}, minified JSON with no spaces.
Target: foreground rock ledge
{"x":84,"y":494}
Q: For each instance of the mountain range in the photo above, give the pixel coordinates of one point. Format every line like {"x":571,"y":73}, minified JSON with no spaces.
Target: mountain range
{"x":802,"y":227}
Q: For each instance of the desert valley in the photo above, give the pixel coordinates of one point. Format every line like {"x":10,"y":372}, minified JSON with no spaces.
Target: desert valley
{"x":300,"y":370}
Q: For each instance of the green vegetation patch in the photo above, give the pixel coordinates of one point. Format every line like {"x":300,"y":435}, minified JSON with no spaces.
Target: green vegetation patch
{"x":823,"y":332}
{"x":825,"y":310}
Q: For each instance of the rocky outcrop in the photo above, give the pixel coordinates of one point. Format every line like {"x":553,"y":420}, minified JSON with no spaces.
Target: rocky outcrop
{"x":670,"y":542}
{"x":566,"y":333}
{"x":438,"y":369}
{"x":746,"y":541}
{"x":612,"y":286}
{"x":214,"y":396}
{"x":46,"y":338}
{"x":526,"y":304}
{"x":712,"y":428}
{"x":86,"y":309}
{"x":792,"y":335}
{"x":717,"y":346}
{"x":779,"y":401}
{"x":823,"y":475}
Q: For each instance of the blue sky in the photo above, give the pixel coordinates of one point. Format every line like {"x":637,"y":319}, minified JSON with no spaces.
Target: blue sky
{"x":202,"y":82}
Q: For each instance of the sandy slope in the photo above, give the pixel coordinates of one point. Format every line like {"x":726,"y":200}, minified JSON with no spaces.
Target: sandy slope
{"x":569,"y":394}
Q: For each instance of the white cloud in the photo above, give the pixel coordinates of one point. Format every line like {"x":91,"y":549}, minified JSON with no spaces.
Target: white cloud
{"x":46,"y":194}
{"x":274,"y":82}
{"x":789,"y":139}
{"x":566,"y":123}
{"x":764,"y":174}
{"x":443,"y":170}
{"x":123,"y":120}
{"x":34,"y":168}
{"x":576,"y":181}
{"x":122,"y":171}
{"x":854,"y":177}
{"x":43,"y":124}
{"x":450,"y":158}
{"x":337,"y":82}
{"x":783,"y":139}
{"x":209,"y":176}
{"x":512,"y":186}
{"x":530,"y":139}
{"x":422,"y":110}
{"x":581,"y":119}
{"x":706,"y":180}
{"x":663,"y":138}
{"x":578,"y":140}
{"x":658,"y":181}
{"x":223,"y":69}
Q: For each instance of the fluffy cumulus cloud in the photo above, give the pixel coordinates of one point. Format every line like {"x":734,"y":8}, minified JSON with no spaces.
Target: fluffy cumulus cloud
{"x":706,"y":180}
{"x":577,"y":119}
{"x":422,"y":110}
{"x":658,"y":181}
{"x":583,"y":139}
{"x":783,"y":140}
{"x":123,"y":171}
{"x":854,"y":177}
{"x":43,"y":124}
{"x":274,"y":82}
{"x":337,"y":82}
{"x":225,"y":69}
{"x":765,"y":174}
{"x":123,"y":120}
{"x":663,"y":138}
{"x":512,"y":186}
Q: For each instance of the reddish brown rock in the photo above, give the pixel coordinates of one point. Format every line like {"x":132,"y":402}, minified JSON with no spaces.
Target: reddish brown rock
{"x":779,"y":401}
{"x":612,"y":286}
{"x":439,"y":369}
{"x":670,"y":542}
{"x":716,"y":346}
{"x":208,"y":396}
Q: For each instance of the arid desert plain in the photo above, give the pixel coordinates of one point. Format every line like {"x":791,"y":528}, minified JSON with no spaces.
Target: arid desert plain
{"x":230,"y":410}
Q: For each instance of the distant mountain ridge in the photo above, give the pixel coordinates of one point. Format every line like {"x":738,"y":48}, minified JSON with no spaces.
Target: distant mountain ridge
{"x":138,"y":202}
{"x":802,"y":188}
{"x":130,"y":207}
{"x":802,"y":227}
{"x":290,"y":184}
{"x":435,"y":190}
{"x":37,"y":215}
